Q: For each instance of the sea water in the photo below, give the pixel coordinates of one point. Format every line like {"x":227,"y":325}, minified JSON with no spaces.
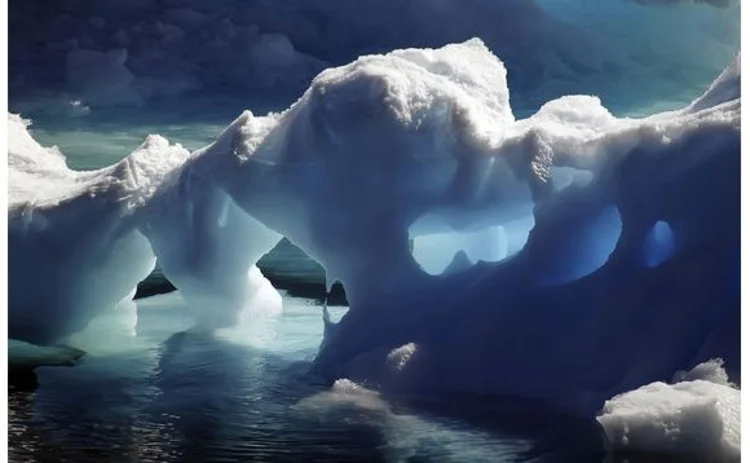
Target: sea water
{"x":246,"y":394}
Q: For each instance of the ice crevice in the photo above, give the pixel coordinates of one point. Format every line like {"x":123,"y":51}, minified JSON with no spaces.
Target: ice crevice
{"x":376,"y":156}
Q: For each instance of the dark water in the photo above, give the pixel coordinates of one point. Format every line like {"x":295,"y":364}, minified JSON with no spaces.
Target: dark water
{"x":171,"y":394}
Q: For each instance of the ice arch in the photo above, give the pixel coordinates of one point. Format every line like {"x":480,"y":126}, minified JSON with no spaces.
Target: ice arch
{"x":212,"y":257}
{"x":74,"y":250}
{"x":344,"y":173}
{"x":448,"y":146}
{"x":81,"y":241}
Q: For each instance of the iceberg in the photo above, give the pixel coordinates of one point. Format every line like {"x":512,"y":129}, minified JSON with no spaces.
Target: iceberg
{"x":378,"y":154}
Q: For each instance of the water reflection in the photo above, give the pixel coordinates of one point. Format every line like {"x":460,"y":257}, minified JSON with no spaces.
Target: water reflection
{"x":190,"y":396}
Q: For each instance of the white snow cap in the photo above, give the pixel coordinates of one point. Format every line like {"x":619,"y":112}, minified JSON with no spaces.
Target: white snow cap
{"x":40,"y":176}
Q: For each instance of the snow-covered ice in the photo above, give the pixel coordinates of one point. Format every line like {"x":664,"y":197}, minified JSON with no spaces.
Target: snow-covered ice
{"x":386,"y":150}
{"x":74,"y":248}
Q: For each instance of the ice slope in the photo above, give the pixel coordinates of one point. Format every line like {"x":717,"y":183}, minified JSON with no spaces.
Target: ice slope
{"x":388,"y":149}
{"x":694,"y":416}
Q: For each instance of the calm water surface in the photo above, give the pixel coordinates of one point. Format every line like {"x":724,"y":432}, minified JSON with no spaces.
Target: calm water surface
{"x":171,"y":394}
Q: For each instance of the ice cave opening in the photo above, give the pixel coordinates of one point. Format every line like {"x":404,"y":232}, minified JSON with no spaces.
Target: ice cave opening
{"x":451,"y":251}
{"x":659,"y":245}
{"x":582,"y":253}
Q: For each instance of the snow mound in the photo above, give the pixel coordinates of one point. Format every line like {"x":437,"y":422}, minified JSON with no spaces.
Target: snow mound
{"x":694,"y":417}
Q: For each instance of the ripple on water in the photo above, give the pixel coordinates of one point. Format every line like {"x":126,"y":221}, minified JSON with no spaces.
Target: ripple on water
{"x":187,"y":396}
